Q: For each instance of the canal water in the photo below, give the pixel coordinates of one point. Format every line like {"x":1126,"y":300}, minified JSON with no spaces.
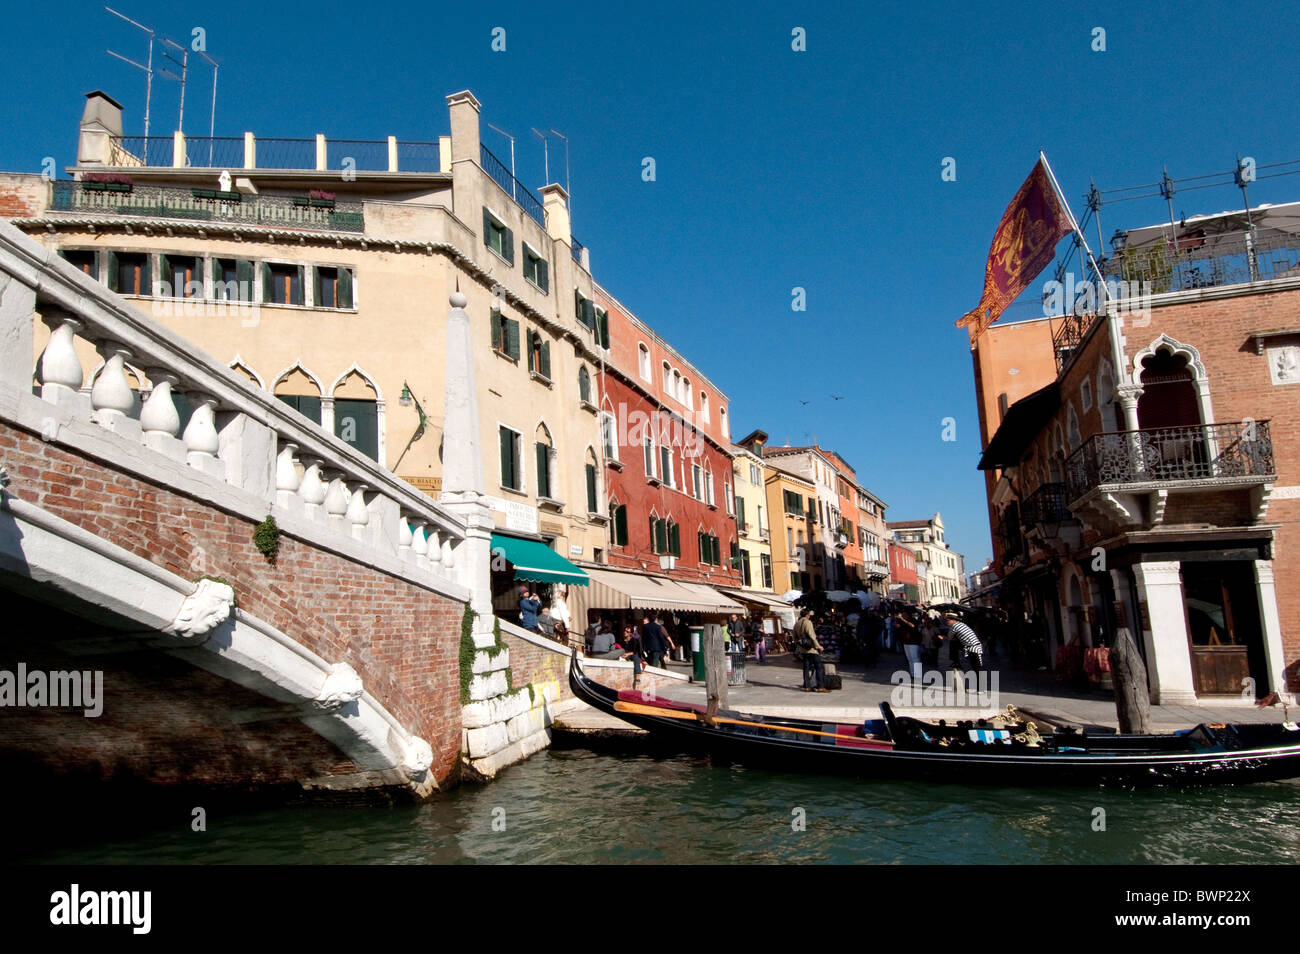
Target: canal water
{"x":579,"y":807}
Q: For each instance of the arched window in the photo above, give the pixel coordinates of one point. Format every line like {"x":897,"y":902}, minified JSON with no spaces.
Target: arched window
{"x":676,"y":388}
{"x":704,"y":407}
{"x":687,"y":397}
{"x":643,"y":361}
{"x":545,"y":457}
{"x":668,"y":375}
{"x":722,"y":420}
{"x":617,"y":523}
{"x":356,"y":413}
{"x":539,"y":355}
{"x":301,"y":391}
{"x":584,"y":384}
{"x":593,"y":495}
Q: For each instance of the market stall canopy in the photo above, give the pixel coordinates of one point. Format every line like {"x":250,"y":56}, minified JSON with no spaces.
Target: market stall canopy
{"x":611,"y":589}
{"x":537,"y":562}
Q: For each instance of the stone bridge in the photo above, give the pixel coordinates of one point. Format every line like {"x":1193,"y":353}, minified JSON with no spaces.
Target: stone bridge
{"x":136,"y":547}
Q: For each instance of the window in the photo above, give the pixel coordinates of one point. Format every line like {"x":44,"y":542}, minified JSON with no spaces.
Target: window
{"x":745,"y":577}
{"x":1085,"y":395}
{"x":664,"y":536}
{"x":512,"y":476}
{"x":333,"y":287}
{"x":617,"y":524}
{"x":697,"y":482}
{"x":545,"y":454}
{"x":734,"y":504}
{"x":584,"y":384}
{"x":602,"y":329}
{"x":308,"y":405}
{"x":536,"y":269}
{"x":593,"y":501}
{"x":740,"y":513}
{"x":505,"y":335}
{"x":722,"y":418}
{"x":708,"y":488}
{"x":232,"y":279}
{"x":608,"y":443}
{"x":675,"y":388}
{"x":755,"y":475}
{"x":497,"y":237}
{"x":704,"y":407}
{"x":759,"y":520}
{"x":128,"y":273}
{"x":585,"y":309}
{"x":86,"y":260}
{"x":666,"y":466}
{"x":710,"y":549}
{"x":794,"y":580}
{"x":649,"y":448}
{"x":668,"y":375}
{"x":356,"y":422}
{"x":281,"y":284}
{"x":539,"y":355}
{"x":643,"y":361}
{"x":765,"y":564}
{"x":793,"y":504}
{"x":687,"y":396}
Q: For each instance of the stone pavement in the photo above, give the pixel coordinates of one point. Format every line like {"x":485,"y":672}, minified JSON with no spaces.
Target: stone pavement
{"x":774,"y":689}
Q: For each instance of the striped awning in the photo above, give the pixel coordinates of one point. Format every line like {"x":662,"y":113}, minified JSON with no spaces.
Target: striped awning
{"x":769,"y":600}
{"x":536,"y":561}
{"x":611,"y":589}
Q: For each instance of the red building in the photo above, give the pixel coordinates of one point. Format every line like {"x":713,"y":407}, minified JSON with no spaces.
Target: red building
{"x":902,"y":570}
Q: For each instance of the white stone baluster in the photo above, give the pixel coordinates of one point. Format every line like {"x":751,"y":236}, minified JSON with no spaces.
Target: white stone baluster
{"x":201,"y":439}
{"x":60,"y":370}
{"x":404,"y":538}
{"x":287,"y":480}
{"x":336,"y":501}
{"x":358,"y":515}
{"x":312,"y":489}
{"x":435,"y":547}
{"x":419,"y":544}
{"x":448,"y":554}
{"x":158,"y":415}
{"x":111,"y":397}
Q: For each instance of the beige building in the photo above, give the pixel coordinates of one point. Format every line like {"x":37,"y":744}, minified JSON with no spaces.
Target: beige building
{"x":753,"y":519}
{"x":320,"y":270}
{"x":941,"y":570}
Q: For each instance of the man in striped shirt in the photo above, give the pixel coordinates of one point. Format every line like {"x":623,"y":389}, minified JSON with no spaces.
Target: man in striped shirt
{"x":965,"y":637}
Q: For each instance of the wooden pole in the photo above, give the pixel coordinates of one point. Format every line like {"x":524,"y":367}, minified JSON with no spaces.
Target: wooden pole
{"x":715,"y":670}
{"x":1129,"y":678}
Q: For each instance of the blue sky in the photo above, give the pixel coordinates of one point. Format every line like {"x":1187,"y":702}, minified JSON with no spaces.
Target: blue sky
{"x":775,"y":169}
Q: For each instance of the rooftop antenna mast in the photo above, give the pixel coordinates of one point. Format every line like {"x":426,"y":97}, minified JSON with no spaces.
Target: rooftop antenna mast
{"x":546,"y":162}
{"x":184,"y":64}
{"x":148,"y":69}
{"x":514,"y":186}
{"x":566,"y":166}
{"x":212,"y":122}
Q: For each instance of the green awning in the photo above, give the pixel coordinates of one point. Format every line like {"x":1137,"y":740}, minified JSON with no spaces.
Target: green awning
{"x":536,"y":561}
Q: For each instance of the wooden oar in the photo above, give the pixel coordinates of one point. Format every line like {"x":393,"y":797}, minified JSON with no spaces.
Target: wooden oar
{"x":638,"y":709}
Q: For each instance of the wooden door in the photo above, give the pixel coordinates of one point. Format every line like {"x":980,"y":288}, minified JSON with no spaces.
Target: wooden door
{"x":1223,"y":626}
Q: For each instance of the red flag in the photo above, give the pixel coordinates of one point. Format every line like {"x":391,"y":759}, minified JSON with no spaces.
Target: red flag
{"x":1023,"y":245}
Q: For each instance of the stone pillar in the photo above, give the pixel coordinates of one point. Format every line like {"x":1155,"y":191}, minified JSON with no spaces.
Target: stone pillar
{"x":1169,"y":658}
{"x":17,"y":313}
{"x":462,"y":465}
{"x":1271,"y":626}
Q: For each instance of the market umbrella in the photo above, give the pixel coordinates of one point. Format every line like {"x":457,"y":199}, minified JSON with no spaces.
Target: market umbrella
{"x":838,"y":596}
{"x":790,"y":596}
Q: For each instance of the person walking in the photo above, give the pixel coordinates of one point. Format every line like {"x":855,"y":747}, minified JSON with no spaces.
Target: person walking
{"x":805,"y":640}
{"x":529,"y":608}
{"x":965,"y":637}
{"x":910,"y":637}
{"x":654,"y":641}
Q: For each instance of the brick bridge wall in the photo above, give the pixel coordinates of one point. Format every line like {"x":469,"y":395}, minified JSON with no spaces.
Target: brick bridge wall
{"x":402,"y":640}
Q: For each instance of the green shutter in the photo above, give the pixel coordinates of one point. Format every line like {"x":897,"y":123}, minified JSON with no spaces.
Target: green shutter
{"x":114,"y":278}
{"x":654,"y":535}
{"x":740,"y":512}
{"x":577,"y":304}
{"x":620,"y":525}
{"x":510,"y":247}
{"x":603,"y":332}
{"x":543,"y":470}
{"x":244,"y":278}
{"x":495,"y":320}
{"x":507,"y":455}
{"x":675,"y":540}
{"x":315,"y":286}
{"x":543,"y":276}
{"x":589,"y":313}
{"x":296,"y":288}
{"x":266,"y":283}
{"x":146,"y":285}
{"x":512,"y":339}
{"x":487,"y":228}
{"x":591,"y":489}
{"x":345,"y":288}
{"x":531,"y":359}
{"x":546,"y":360}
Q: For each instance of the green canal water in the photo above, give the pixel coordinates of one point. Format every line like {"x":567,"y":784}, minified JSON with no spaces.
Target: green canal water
{"x":580,"y":807}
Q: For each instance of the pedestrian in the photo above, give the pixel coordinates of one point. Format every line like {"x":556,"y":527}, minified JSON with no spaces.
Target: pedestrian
{"x":602,"y":643}
{"x":546,"y":622}
{"x":654,"y":641}
{"x":529,"y":607}
{"x":805,"y":640}
{"x":735,"y":634}
{"x":965,"y":637}
{"x":910,"y":637}
{"x":760,"y":645}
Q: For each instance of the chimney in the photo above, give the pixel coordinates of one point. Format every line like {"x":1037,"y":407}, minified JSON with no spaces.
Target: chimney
{"x":465,"y":147}
{"x":101,"y":122}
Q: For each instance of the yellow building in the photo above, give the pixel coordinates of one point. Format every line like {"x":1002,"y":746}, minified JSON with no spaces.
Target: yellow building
{"x":792,"y":502}
{"x":753,"y":519}
{"x":321,"y":271}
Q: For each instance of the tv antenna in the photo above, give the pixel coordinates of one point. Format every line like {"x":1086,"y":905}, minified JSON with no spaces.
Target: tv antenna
{"x":566,"y":164}
{"x":514,"y":187}
{"x":184,"y":64}
{"x":147,"y":69}
{"x":546,"y":162}
{"x":212,"y":122}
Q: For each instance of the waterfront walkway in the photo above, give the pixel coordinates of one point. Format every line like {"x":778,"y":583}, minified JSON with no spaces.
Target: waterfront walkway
{"x":774,"y":689}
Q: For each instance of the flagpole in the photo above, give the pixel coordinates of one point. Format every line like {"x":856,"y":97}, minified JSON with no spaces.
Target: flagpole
{"x":1074,"y":224}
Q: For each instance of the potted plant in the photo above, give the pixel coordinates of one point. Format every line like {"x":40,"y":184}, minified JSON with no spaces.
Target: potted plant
{"x":107,"y":182}
{"x":321,"y":199}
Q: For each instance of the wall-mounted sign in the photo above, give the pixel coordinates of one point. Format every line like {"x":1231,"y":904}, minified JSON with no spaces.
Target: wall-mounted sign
{"x":521,"y":517}
{"x":575,"y":550}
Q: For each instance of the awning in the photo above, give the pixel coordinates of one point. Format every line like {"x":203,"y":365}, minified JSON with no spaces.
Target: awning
{"x":769,"y":600}
{"x":537,"y":562}
{"x":611,"y":589}
{"x":1020,"y":425}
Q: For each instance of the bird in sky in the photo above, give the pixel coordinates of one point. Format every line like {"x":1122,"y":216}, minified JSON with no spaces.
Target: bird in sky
{"x":838,"y":397}
{"x":803,"y":402}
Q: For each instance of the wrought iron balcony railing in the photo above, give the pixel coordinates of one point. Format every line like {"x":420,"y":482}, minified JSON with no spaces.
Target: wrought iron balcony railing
{"x":1068,"y":332}
{"x":229,"y":152}
{"x":209,"y":205}
{"x":1155,"y":455}
{"x":501,"y":175}
{"x":1046,"y":505}
{"x":1208,"y":260}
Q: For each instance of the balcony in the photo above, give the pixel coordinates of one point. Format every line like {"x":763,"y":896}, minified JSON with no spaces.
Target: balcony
{"x":208,"y":205}
{"x":1240,"y":452}
{"x":1068,"y":333}
{"x":1207,"y":252}
{"x":240,"y":152}
{"x":1046,"y":505}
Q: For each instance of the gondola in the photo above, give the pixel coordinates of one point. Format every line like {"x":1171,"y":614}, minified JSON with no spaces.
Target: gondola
{"x":966,"y":752}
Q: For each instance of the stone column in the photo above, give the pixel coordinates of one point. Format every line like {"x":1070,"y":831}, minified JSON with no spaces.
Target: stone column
{"x":1271,"y":627}
{"x":1169,"y":658}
